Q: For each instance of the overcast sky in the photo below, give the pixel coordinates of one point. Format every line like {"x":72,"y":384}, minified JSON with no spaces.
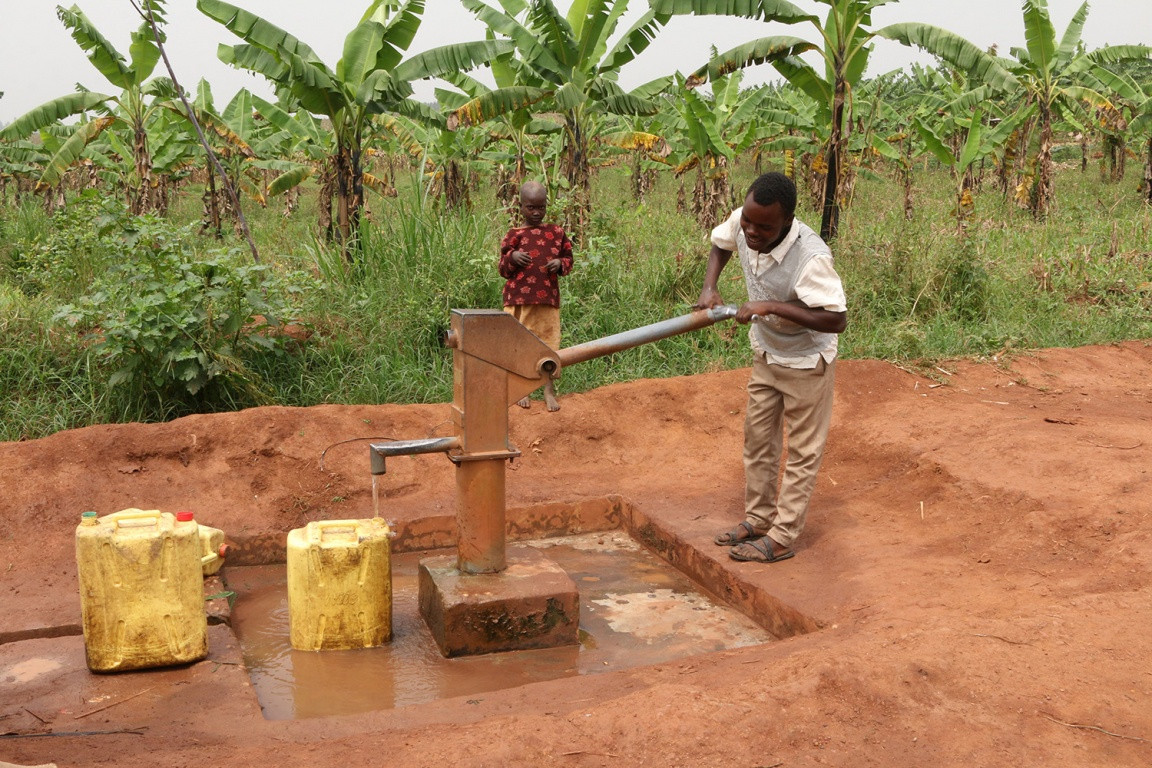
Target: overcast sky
{"x":39,"y":61}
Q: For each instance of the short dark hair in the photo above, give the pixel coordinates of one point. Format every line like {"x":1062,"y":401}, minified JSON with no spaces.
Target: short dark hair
{"x":775,"y":187}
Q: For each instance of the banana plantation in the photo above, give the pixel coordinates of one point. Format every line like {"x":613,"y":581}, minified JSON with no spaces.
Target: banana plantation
{"x":165,"y":250}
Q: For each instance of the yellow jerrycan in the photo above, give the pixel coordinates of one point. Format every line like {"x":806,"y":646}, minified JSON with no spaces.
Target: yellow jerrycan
{"x":340,"y":585}
{"x":141,"y":590}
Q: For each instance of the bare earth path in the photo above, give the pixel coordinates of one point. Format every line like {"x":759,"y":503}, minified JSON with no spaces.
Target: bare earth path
{"x":977,"y":560}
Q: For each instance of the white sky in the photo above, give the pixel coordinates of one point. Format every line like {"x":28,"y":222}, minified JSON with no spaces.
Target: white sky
{"x":39,"y":61}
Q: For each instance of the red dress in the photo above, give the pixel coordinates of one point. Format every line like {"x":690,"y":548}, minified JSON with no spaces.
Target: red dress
{"x":533,"y":283}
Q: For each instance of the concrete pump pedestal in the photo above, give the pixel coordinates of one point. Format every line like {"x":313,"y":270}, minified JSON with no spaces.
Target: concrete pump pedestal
{"x":530,"y":604}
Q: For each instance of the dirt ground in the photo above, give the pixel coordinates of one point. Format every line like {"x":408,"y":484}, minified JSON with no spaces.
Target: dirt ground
{"x":977,"y":560}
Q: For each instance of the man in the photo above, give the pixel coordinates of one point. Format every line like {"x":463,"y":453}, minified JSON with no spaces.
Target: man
{"x":796,"y":308}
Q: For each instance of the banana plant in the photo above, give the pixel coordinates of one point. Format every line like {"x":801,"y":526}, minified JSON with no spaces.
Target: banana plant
{"x":565,"y":65}
{"x":131,"y":109}
{"x":297,"y":148}
{"x":514,"y":127}
{"x":448,"y":157}
{"x":1052,"y":75}
{"x":1048,"y":73}
{"x":714,"y":130}
{"x":371,"y":78}
{"x":506,"y":110}
{"x":21,"y":163}
{"x":1135,"y":101}
{"x":981,"y":139}
{"x":843,"y":43}
{"x":644,"y":139}
{"x":231,"y":136}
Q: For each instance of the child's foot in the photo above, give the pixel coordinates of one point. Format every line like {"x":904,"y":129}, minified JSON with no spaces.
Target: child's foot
{"x":524,"y":402}
{"x":550,"y":398}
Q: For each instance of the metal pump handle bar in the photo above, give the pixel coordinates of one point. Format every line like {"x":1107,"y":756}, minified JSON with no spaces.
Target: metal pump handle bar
{"x":701,"y":318}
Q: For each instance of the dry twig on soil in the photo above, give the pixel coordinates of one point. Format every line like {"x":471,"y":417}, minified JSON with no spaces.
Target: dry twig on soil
{"x":113,"y":704}
{"x":46,"y":734}
{"x":1006,"y":640}
{"x":1092,"y":728}
{"x":42,"y":720}
{"x":1117,"y":447}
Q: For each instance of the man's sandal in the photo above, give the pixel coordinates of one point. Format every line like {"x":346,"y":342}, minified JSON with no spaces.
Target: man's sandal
{"x":742,"y":532}
{"x":761,"y":550}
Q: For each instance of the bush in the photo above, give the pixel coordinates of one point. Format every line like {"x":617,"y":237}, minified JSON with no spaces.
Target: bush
{"x":65,"y":257}
{"x":173,"y":330}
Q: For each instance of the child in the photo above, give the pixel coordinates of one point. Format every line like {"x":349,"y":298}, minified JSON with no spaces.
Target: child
{"x":532,"y":258}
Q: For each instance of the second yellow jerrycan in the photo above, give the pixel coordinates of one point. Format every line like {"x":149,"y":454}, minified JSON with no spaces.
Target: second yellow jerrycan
{"x":141,"y":590}
{"x":340,"y":585}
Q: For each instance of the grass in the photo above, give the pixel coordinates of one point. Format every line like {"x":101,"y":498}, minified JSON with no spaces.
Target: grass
{"x":917,"y":292}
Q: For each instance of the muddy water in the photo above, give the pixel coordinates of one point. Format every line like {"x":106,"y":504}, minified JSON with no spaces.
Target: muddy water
{"x":634,"y":610}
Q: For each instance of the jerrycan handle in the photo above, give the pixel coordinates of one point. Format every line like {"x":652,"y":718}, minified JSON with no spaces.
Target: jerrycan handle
{"x":152,"y":515}
{"x":317,"y":529}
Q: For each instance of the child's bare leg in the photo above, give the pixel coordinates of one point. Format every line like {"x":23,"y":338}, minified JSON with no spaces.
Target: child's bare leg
{"x":550,"y":396}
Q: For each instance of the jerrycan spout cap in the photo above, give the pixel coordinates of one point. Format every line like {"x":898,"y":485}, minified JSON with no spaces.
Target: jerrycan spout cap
{"x":184,"y":516}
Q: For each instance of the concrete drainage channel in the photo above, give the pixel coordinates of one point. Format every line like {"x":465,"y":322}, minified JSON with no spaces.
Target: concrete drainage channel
{"x":648,"y":594}
{"x":641,"y":603}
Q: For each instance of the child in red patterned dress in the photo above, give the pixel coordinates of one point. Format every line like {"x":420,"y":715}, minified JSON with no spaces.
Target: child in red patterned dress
{"x":532,"y":259}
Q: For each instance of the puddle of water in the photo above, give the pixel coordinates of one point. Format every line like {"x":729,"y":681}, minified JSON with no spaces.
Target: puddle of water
{"x":635,"y":610}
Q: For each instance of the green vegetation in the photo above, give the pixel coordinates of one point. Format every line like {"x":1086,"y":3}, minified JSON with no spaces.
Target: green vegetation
{"x":108,"y":317}
{"x":124,"y":292}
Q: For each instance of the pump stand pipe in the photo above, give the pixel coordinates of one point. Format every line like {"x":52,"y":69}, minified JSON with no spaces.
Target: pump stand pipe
{"x":496,"y":362}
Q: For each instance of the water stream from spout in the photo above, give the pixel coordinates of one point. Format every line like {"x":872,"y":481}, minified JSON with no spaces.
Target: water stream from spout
{"x":375,"y":495}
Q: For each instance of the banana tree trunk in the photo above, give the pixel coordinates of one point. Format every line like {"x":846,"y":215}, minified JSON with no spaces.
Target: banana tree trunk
{"x":327,"y":191}
{"x":211,"y":217}
{"x":1008,"y":162}
{"x":139,"y":197}
{"x":506,"y":192}
{"x":830,"y":222}
{"x":906,"y":177}
{"x":1042,"y":194}
{"x":1148,"y":173}
{"x":713,"y":192}
{"x":455,"y":188}
{"x":1119,"y":159}
{"x":349,"y":196}
{"x":1021,"y":158}
{"x":291,"y":201}
{"x":699,"y":194}
{"x":579,"y":176}
{"x":965,"y":204}
{"x":641,"y":179}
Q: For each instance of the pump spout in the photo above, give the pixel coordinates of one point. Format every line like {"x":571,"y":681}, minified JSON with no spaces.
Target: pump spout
{"x":378,"y":452}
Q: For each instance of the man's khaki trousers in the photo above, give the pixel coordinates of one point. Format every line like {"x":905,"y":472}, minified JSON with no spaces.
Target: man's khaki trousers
{"x":779,"y":399}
